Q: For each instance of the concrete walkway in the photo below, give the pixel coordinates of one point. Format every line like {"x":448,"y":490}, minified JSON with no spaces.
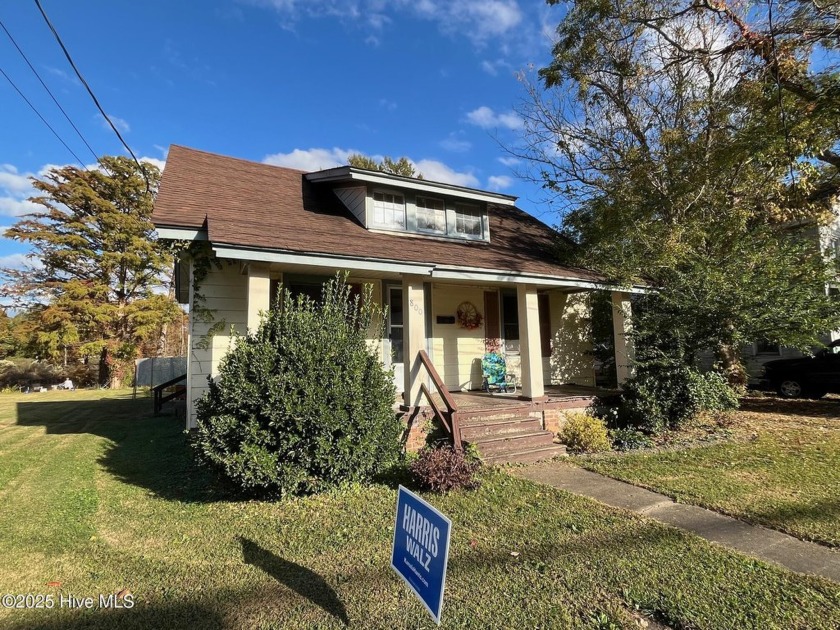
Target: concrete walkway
{"x":760,"y":542}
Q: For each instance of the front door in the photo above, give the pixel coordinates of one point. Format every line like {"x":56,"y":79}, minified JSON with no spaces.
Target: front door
{"x":394,"y":346}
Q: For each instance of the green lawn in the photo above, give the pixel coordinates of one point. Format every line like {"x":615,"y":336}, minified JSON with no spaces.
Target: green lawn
{"x":781,"y":468}
{"x":98,"y":495}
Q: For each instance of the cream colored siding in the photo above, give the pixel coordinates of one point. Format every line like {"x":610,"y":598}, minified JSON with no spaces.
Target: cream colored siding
{"x":225,"y":293}
{"x":457,"y":351}
{"x":571,"y":341}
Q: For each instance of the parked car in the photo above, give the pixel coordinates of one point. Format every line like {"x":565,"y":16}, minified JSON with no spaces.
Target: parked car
{"x":805,"y":377}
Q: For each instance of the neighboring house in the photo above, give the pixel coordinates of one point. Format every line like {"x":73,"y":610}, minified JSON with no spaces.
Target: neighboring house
{"x":426,"y":248}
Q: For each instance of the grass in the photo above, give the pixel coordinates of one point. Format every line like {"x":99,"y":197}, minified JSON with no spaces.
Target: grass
{"x":780,"y":467}
{"x":98,"y":495}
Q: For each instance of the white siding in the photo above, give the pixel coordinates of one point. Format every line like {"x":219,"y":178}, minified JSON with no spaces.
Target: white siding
{"x":354,"y":199}
{"x":225,"y":294}
{"x":571,"y":340}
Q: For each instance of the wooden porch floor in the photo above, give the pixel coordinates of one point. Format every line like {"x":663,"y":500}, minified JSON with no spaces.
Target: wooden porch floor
{"x":556,"y":395}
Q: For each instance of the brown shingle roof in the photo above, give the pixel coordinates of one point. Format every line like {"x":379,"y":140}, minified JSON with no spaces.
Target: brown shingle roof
{"x":247,"y":204}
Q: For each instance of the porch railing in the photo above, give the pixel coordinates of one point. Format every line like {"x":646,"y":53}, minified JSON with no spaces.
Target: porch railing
{"x":448,"y":418}
{"x":157,"y":391}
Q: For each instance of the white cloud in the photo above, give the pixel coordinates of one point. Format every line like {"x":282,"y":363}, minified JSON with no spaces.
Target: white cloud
{"x":486,"y":118}
{"x":18,"y":261}
{"x":478,"y":20}
{"x":120,"y":123}
{"x":384,"y":103}
{"x":455,"y":144}
{"x":499,"y":182}
{"x":508,"y":161}
{"x":11,"y":207}
{"x":319,"y":158}
{"x":161,"y":164}
{"x":439,"y":172}
{"x":310,"y":159}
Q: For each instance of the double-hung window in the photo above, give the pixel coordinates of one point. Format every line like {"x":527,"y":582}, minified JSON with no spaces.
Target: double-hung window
{"x":389,"y":210}
{"x":468,"y":219}
{"x":431,"y":215}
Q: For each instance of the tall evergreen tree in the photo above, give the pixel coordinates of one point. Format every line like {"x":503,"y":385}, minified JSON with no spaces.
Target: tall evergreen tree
{"x":97,"y":276}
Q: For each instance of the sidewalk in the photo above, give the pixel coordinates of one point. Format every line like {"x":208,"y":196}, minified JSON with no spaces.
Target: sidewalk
{"x":754,"y":540}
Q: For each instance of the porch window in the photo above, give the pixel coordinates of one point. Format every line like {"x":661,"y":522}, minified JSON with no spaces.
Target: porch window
{"x":431,"y":215}
{"x":545,"y":324}
{"x":510,"y":322}
{"x":467,"y":219}
{"x":389,"y":210}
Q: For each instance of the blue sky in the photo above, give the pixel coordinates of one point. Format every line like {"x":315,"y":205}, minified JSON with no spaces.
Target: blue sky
{"x":300,"y":83}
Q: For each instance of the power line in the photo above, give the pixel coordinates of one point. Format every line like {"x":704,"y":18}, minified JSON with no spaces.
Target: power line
{"x":55,"y":100}
{"x":92,"y":95}
{"x":44,"y":120}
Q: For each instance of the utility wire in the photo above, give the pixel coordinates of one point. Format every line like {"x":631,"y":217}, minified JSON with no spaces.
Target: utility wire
{"x":55,"y":100}
{"x":92,"y":95}
{"x":44,"y":120}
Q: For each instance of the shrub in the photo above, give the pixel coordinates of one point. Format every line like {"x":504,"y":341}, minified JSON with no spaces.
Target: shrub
{"x":583,"y":433}
{"x":441,"y":468}
{"x":629,"y":439}
{"x":658,"y":399}
{"x":303,"y":403}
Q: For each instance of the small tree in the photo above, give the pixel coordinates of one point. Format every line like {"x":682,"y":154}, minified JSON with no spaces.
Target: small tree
{"x":401,"y":166}
{"x":303,"y":403}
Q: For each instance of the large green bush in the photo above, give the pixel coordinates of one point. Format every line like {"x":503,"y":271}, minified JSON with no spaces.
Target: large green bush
{"x":303,"y":403}
{"x":665,"y":398}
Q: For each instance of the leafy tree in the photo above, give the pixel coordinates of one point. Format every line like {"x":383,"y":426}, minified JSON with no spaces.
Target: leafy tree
{"x":691,"y":144}
{"x":97,"y":285}
{"x":402,"y":166}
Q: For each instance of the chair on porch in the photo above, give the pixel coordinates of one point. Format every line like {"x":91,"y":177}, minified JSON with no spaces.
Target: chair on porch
{"x":495,"y":374}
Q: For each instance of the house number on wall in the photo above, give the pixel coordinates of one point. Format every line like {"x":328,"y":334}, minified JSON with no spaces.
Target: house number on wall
{"x":417,"y":308}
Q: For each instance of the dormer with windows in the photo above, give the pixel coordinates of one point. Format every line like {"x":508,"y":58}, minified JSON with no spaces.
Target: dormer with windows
{"x":389,"y":203}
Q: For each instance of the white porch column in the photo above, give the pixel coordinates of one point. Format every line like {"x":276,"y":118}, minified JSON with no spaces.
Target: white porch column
{"x":529,"y":341}
{"x":625,"y":353}
{"x":414,"y":336}
{"x":259,"y":294}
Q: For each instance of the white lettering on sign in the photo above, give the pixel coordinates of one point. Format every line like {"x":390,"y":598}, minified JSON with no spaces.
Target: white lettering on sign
{"x":423,"y":537}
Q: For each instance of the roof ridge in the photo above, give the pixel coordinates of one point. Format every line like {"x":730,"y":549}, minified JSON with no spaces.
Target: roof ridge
{"x":237,"y":159}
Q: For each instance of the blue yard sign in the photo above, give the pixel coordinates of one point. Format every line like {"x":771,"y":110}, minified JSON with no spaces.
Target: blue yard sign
{"x":421,"y":549}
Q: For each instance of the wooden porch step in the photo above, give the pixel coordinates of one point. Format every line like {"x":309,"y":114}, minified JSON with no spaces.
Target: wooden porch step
{"x":528,"y":456}
{"x":476,"y":430}
{"x":513,"y":442}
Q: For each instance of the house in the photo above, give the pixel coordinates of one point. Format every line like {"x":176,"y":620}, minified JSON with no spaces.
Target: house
{"x":462,"y":271}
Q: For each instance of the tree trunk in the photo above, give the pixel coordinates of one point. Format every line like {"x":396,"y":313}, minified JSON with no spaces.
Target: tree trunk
{"x":729,"y":356}
{"x":104,"y":369}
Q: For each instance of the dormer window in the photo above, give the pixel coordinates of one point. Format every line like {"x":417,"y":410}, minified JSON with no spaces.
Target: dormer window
{"x":467,"y":219}
{"x":431,"y":215}
{"x":389,"y":210}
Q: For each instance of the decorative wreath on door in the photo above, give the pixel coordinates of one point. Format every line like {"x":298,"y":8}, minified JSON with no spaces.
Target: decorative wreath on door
{"x":468,"y":316}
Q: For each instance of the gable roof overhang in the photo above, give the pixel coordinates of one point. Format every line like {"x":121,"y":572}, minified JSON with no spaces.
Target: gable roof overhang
{"x":353,"y":175}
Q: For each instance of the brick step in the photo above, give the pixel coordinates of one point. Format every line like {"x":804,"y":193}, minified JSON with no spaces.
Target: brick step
{"x":513,"y":442}
{"x":489,"y":428}
{"x":528,"y":456}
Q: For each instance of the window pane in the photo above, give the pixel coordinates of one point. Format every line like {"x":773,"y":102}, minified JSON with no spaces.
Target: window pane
{"x":467,"y":220}
{"x":389,"y":210}
{"x":431,"y":215}
{"x":396,"y":338}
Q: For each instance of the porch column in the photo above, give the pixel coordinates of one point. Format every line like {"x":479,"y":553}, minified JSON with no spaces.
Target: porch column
{"x":259,"y":294}
{"x":529,"y":342}
{"x":625,"y":353}
{"x":414,"y":336}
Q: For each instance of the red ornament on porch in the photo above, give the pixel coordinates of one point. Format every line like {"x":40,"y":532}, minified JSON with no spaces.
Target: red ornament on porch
{"x":468,"y":316}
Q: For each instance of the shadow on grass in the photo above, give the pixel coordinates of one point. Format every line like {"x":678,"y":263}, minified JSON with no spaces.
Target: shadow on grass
{"x":142,"y":616}
{"x":143,"y":450}
{"x":301,"y":580}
